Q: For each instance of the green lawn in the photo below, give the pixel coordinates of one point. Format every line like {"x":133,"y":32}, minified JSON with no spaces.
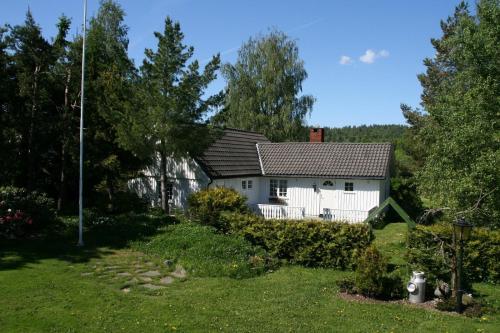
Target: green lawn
{"x":42,"y":290}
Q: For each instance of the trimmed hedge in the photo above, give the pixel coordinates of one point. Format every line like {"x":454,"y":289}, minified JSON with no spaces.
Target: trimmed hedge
{"x":305,"y":242}
{"x":430,"y":248}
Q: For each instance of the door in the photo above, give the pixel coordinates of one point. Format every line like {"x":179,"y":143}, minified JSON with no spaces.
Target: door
{"x":328,"y":198}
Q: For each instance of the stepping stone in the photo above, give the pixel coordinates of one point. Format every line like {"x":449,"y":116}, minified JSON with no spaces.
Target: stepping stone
{"x":110,"y":268}
{"x":151,"y":274}
{"x":179,"y":272}
{"x":140,"y":271}
{"x":150,"y":264}
{"x":86,"y":274}
{"x":124,"y":274}
{"x":132,"y":281}
{"x":167,"y":280}
{"x":146,"y":279}
{"x":152,"y":286}
{"x":126,"y":290}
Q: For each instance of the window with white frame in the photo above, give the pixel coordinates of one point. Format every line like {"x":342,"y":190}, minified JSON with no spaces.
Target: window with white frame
{"x":170,"y":191}
{"x":246,"y":184}
{"x":278,"y":188}
{"x":349,"y":186}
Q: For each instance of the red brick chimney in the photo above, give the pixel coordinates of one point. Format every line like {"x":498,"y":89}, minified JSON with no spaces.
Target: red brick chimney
{"x":316,"y":135}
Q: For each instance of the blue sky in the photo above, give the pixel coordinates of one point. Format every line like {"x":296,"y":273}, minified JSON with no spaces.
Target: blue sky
{"x":362,"y":57}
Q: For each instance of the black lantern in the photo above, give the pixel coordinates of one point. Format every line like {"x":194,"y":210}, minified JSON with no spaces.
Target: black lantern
{"x":461,"y":230}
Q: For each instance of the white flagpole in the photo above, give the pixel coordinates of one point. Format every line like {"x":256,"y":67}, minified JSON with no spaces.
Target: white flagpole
{"x":80,"y":189}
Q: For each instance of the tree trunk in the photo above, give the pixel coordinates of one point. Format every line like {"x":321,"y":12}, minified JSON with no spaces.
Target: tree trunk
{"x":163,"y":183}
{"x":65,"y":127}
{"x":31,"y":133}
{"x":111,"y":195}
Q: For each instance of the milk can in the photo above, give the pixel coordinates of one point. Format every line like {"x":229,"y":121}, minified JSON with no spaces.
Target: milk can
{"x":416,"y":288}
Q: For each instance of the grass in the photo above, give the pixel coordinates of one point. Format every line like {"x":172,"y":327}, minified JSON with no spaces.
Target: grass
{"x":391,"y":241}
{"x":42,"y":290}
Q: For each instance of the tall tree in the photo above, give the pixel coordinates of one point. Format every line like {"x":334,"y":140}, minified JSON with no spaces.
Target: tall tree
{"x":169,"y":121}
{"x":34,"y":119}
{"x":461,"y":129}
{"x":263,"y":88}
{"x":109,"y":90}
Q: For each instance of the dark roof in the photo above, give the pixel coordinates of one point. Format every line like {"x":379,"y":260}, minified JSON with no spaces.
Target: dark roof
{"x":336,"y":160}
{"x":233,"y":154}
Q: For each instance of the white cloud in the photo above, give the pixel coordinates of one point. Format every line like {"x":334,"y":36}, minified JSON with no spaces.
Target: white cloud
{"x":345,"y":60}
{"x":370,"y":56}
{"x":383,"y":53}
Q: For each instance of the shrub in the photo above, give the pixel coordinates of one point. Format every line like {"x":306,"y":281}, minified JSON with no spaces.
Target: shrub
{"x":430,"y":249}
{"x":309,"y":243}
{"x":373,"y":279}
{"x":22,"y":211}
{"x":207,"y":205}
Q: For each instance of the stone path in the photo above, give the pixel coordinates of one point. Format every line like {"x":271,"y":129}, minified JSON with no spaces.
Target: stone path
{"x":133,"y":271}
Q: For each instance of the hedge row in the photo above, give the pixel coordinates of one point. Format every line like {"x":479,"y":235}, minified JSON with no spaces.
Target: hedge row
{"x":430,"y":249}
{"x":305,"y":242}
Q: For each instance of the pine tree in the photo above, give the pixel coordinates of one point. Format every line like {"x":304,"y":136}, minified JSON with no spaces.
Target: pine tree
{"x":169,"y":121}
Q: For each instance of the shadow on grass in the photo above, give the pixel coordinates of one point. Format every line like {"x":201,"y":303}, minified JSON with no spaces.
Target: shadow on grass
{"x":60,"y":242}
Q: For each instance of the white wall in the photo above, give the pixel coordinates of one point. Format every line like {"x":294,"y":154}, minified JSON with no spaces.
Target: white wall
{"x":253,"y":194}
{"x":301,"y":193}
{"x":185,"y":175}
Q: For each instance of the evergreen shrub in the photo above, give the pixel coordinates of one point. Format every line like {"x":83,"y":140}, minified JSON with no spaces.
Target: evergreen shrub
{"x":305,"y":242}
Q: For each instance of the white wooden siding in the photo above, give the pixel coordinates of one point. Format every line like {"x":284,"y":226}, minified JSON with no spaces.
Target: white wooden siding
{"x":252,"y":195}
{"x":185,"y":175}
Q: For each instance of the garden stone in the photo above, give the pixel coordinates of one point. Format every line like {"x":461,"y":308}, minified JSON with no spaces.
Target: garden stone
{"x":132,"y":281}
{"x":152,"y":286}
{"x":167,"y":280}
{"x":126,"y":290}
{"x":86,"y":274}
{"x":124,"y":274}
{"x":179,"y":272}
{"x":151,"y":274}
{"x":146,"y":279}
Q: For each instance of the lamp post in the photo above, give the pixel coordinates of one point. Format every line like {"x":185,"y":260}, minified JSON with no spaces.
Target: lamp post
{"x":461,"y":231}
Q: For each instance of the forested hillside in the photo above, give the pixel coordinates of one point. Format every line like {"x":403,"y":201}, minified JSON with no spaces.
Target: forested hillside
{"x":365,"y":133}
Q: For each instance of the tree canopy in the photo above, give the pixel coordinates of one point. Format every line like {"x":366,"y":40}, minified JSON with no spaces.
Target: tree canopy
{"x":459,"y":126}
{"x":263,"y":88}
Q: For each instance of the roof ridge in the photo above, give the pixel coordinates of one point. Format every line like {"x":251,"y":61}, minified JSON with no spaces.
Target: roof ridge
{"x":316,"y":143}
{"x":240,"y":130}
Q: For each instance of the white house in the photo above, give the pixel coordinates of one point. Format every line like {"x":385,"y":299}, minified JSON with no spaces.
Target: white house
{"x":316,"y":179}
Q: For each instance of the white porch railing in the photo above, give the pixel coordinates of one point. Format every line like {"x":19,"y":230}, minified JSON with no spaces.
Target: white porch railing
{"x":345,"y":215}
{"x":269,"y":211}
{"x":279,"y":211}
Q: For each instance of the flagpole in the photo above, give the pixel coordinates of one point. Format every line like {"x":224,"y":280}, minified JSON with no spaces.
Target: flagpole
{"x":82,"y":99}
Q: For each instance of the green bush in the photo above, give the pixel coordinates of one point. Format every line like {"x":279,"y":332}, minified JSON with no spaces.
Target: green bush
{"x":430,"y":249}
{"x":206,"y":206}
{"x":22,"y":211}
{"x":309,"y":243}
{"x":373,"y":279}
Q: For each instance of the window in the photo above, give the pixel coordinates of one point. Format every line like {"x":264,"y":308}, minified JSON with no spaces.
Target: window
{"x":170,"y":191}
{"x":273,"y":188}
{"x":246,"y":184}
{"x":349,"y":187}
{"x":283,"y":188}
{"x":278,"y":188}
{"x":328,"y":183}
